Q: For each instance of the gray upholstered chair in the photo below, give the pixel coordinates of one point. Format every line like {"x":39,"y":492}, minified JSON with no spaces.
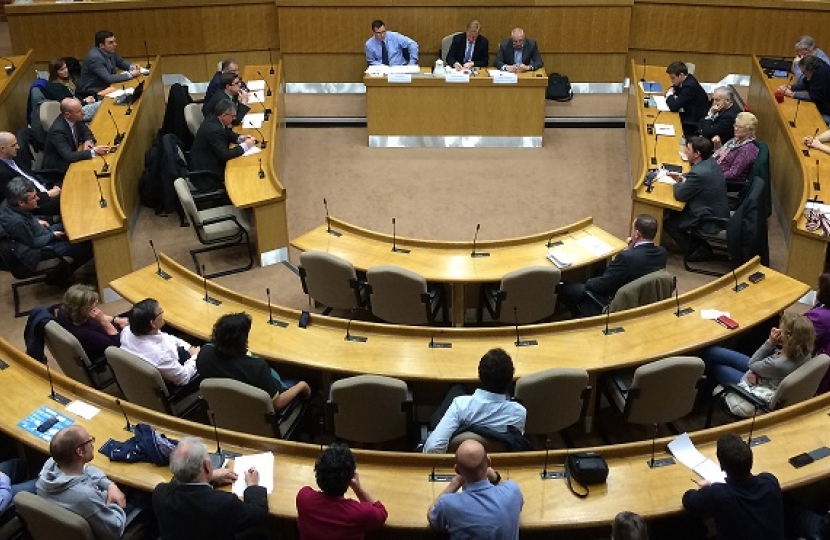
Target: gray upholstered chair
{"x":555,"y":399}
{"x":193,"y":117}
{"x":331,"y":281}
{"x":531,"y":291}
{"x":73,"y":360}
{"x":142,"y":385}
{"x":216,"y":228}
{"x":401,"y":296}
{"x":49,"y":112}
{"x":446,"y":43}
{"x":46,"y":520}
{"x":242,"y":407}
{"x":370,"y":409}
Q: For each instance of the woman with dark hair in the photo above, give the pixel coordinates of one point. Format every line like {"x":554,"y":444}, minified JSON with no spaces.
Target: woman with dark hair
{"x":227,"y":357}
{"x":62,"y":85}
{"x":819,"y":315}
{"x":327,"y":514}
{"x":82,"y":318}
{"x":629,"y":526}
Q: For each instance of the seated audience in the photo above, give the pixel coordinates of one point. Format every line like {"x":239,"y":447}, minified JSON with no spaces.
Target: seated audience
{"x":12,"y":481}
{"x":488,"y":407}
{"x":747,"y":506}
{"x":686,"y":96}
{"x":228,"y":357}
{"x":640,"y":258}
{"x":469,"y":49}
{"x":98,"y":68}
{"x":736,"y":157}
{"x":211,"y":151}
{"x":819,"y":315}
{"x":228,"y":65}
{"x":173,"y":357}
{"x":815,"y":83}
{"x":62,"y":85}
{"x":231,"y":90}
{"x":485,"y":508}
{"x":819,"y":142}
{"x":189,"y":506}
{"x":718,"y":124}
{"x":806,"y":46}
{"x":629,"y":526}
{"x":48,"y":194}
{"x":326,"y":514}
{"x":82,"y":318}
{"x":70,"y":140}
{"x":387,"y":47}
{"x":518,"y":54}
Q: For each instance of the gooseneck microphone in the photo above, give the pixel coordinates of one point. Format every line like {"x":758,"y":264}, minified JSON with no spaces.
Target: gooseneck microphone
{"x":551,"y":243}
{"x":545,"y":474}
{"x":806,"y":151}
{"x":328,"y":220}
{"x":656,"y":135}
{"x":653,"y":443}
{"x":752,"y":426}
{"x":351,"y":337}
{"x":105,"y":170}
{"x":615,"y":330}
{"x":267,"y":86}
{"x":217,"y":459}
{"x":102,"y":202}
{"x":475,"y":253}
{"x":159,"y":272}
{"x":738,"y":286}
{"x":147,"y":53}
{"x":262,"y":142}
{"x":261,"y":172}
{"x":684,"y":311}
{"x":128,"y":426}
{"x":438,"y":344}
{"x":11,"y":67}
{"x":395,"y":248}
{"x":795,"y":116}
{"x":54,"y":396}
{"x":817,"y":183}
{"x":270,"y":61}
{"x":271,"y":320}
{"x":119,"y":136}
{"x":209,"y":299}
{"x":519,"y":341}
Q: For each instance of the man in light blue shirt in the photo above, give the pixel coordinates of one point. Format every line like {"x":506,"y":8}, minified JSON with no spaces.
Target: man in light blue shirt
{"x":806,"y":46}
{"x":387,"y":47}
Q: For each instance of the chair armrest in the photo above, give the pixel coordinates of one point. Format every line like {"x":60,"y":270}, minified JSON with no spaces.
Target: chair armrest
{"x":220,"y":219}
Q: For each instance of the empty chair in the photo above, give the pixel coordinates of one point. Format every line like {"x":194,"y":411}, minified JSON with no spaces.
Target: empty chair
{"x":193,"y":117}
{"x":331,"y":281}
{"x":555,"y":399}
{"x":527,"y":295}
{"x":217,"y":228}
{"x":370,"y":409}
{"x":46,"y":520}
{"x":73,"y":360}
{"x":142,"y":385}
{"x":401,"y":296}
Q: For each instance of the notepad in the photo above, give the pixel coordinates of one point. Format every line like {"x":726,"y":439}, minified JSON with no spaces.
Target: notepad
{"x":263,"y":463}
{"x":683,"y":449}
{"x":560,"y":258}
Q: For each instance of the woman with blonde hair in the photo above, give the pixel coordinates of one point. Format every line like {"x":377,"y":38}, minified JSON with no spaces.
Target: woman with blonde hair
{"x":80,"y":316}
{"x":736,"y":156}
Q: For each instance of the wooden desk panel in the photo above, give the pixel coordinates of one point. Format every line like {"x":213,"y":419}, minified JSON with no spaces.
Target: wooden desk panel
{"x":14,"y":92}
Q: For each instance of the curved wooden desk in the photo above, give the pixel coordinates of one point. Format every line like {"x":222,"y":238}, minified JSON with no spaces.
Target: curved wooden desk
{"x":14,"y":91}
{"x":450,"y":262}
{"x":108,"y":227}
{"x":793,"y":173}
{"x":400,"y":480}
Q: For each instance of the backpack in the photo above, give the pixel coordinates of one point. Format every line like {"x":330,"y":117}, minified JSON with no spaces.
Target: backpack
{"x":559,"y":88}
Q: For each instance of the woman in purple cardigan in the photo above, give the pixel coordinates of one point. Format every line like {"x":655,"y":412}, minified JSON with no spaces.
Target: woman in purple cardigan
{"x":82,"y":318}
{"x":819,"y":315}
{"x":736,"y":156}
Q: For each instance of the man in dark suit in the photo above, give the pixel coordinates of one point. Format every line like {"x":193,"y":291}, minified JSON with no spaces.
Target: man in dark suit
{"x":49,"y":202}
{"x":189,"y":507}
{"x":686,"y":96}
{"x":640,"y":258}
{"x":228,"y":65}
{"x":518,"y":54}
{"x":703,"y":189}
{"x":211,"y":151}
{"x":719,"y":123}
{"x":231,"y":89}
{"x":469,"y":49}
{"x":69,"y":139}
{"x":99,"y":65}
{"x":815,"y":82}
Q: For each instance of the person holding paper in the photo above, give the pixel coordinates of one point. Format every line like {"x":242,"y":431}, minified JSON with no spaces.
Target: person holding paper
{"x":189,"y":507}
{"x":469,"y":49}
{"x":100,"y":63}
{"x":746,"y":506}
{"x":390,"y":48}
{"x":327,"y":514}
{"x":518,"y":54}
{"x":211,"y":146}
{"x":231,"y":86}
{"x":686,"y":97}
{"x":718,"y":124}
{"x":736,"y":157}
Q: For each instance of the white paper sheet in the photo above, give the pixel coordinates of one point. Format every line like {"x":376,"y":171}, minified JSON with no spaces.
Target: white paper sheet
{"x":666,"y":130}
{"x":381,"y":70}
{"x":664,"y":178}
{"x":683,"y":449}
{"x":118,"y":93}
{"x":256,"y":97}
{"x":255,"y":150}
{"x":560,"y":258}
{"x":253,"y":120}
{"x":660,"y":101}
{"x":84,"y":410}
{"x":808,"y":299}
{"x":712,"y":314}
{"x":258,"y":84}
{"x":594,"y":245}
{"x":263,"y":463}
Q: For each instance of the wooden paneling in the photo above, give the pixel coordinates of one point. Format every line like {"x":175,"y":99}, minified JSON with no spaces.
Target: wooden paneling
{"x":14,"y":92}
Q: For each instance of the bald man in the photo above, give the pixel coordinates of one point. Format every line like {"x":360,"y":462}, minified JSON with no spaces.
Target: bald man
{"x":486,"y":508}
{"x":49,"y":203}
{"x":518,"y":54}
{"x":69,"y":139}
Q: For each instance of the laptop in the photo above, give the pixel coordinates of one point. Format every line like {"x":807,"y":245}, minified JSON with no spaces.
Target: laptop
{"x":776,"y":64}
{"x":131,"y":99}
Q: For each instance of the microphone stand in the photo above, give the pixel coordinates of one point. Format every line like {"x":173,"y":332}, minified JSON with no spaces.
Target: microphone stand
{"x":474,"y":254}
{"x":395,"y":248}
{"x":795,"y":116}
{"x":817,"y":183}
{"x":519,"y":342}
{"x":351,"y":337}
{"x":270,"y":61}
{"x":217,"y":459}
{"x":806,"y":151}
{"x":551,"y":243}
{"x":615,"y":330}
{"x":328,"y":220}
{"x":209,"y":299}
{"x":261,"y":172}
{"x":437,"y":344}
{"x":655,"y":463}
{"x":684,"y":311}
{"x":54,"y":396}
{"x":102,"y":202}
{"x":738,"y":287}
{"x":128,"y":427}
{"x":271,"y":320}
{"x":546,"y":474}
{"x":159,"y":272}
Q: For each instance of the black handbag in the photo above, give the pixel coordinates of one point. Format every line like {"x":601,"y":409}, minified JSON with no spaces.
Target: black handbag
{"x":559,"y":88}
{"x":587,"y":468}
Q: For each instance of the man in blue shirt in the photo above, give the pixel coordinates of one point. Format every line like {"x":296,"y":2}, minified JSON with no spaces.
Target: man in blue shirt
{"x":387,"y":48}
{"x":486,"y":508}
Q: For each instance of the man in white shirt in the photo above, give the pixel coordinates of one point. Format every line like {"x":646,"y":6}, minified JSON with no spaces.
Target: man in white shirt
{"x":173,"y":357}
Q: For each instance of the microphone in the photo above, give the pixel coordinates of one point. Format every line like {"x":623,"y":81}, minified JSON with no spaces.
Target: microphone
{"x":349,"y":335}
{"x":817,"y":183}
{"x":265,"y":110}
{"x":217,"y":459}
{"x":159,"y":272}
{"x":328,"y":220}
{"x":271,"y":320}
{"x":54,"y":396}
{"x":437,"y":344}
{"x":738,"y":287}
{"x":102,"y":202}
{"x":261,"y":173}
{"x":119,"y":137}
{"x":10,"y":68}
{"x":475,"y":254}
{"x":643,"y":79}
{"x":395,"y":247}
{"x":551,"y":243}
{"x":654,"y":153}
{"x":806,"y":151}
{"x":105,"y":170}
{"x":795,"y":116}
{"x":128,"y":427}
{"x":615,"y":330}
{"x":147,"y":53}
{"x":519,"y":342}
{"x":270,"y":61}
{"x":209,"y":299}
{"x":758,"y":440}
{"x":267,"y":86}
{"x":684,"y":311}
{"x":545,"y":474}
{"x":262,"y":142}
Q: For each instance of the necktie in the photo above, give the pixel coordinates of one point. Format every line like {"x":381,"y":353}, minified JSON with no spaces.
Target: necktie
{"x":384,"y":54}
{"x":75,"y":136}
{"x":11,"y":163}
{"x":469,"y":54}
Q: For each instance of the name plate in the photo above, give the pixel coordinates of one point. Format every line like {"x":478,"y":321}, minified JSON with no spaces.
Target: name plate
{"x":506,"y":77}
{"x":457,"y":77}
{"x":399,"y":78}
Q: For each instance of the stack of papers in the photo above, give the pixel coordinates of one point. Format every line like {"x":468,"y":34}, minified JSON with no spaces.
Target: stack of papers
{"x":821,"y":207}
{"x":263,"y":463}
{"x":560,"y":258}
{"x":683,"y":449}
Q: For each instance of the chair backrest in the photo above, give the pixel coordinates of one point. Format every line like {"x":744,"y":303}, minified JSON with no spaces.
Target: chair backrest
{"x":644,"y":290}
{"x":140,"y":381}
{"x":446,"y":43}
{"x":690,"y":66}
{"x":396,"y":294}
{"x":193,"y":117}
{"x":49,"y":112}
{"x":46,"y":520}
{"x":239,"y":406}
{"x":370,"y":408}
{"x":329,"y":279}
{"x":761,"y":168}
{"x":801,"y":384}
{"x":746,"y":230}
{"x":664,"y":390}
{"x":532,"y":291}
{"x":67,"y":352}
{"x":189,"y":205}
{"x":554,"y":399}
{"x":489,"y":445}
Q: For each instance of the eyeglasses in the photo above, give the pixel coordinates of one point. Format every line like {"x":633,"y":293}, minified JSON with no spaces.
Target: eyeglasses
{"x":91,"y":440}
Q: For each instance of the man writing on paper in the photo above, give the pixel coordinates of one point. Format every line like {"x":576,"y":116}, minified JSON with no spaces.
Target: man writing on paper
{"x":387,"y":48}
{"x":640,"y":258}
{"x":99,"y":65}
{"x":469,"y":49}
{"x":686,"y":96}
{"x":518,"y":54}
{"x":70,"y":140}
{"x":211,"y":151}
{"x":232,"y":90}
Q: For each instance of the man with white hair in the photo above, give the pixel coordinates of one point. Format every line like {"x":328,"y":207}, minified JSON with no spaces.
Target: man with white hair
{"x":189,"y":507}
{"x":806,"y":46}
{"x":719,"y":123}
{"x":518,"y":54}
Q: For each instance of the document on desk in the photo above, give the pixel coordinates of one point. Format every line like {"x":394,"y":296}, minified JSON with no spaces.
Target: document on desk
{"x":258,"y":84}
{"x":683,"y":449}
{"x":257,"y":96}
{"x":263,"y":463}
{"x":560,"y":258}
{"x":251,"y":151}
{"x":660,"y":101}
{"x":253,"y":120}
{"x":503,"y":77}
{"x":119,"y":93}
{"x":664,"y":178}
{"x":594,"y":246}
{"x":666,"y":130}
{"x":84,"y":410}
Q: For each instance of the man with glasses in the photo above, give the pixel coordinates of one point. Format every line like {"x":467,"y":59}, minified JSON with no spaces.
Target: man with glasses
{"x":211,"y":146}
{"x":518,"y":54}
{"x":232,"y":90}
{"x":390,"y":48}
